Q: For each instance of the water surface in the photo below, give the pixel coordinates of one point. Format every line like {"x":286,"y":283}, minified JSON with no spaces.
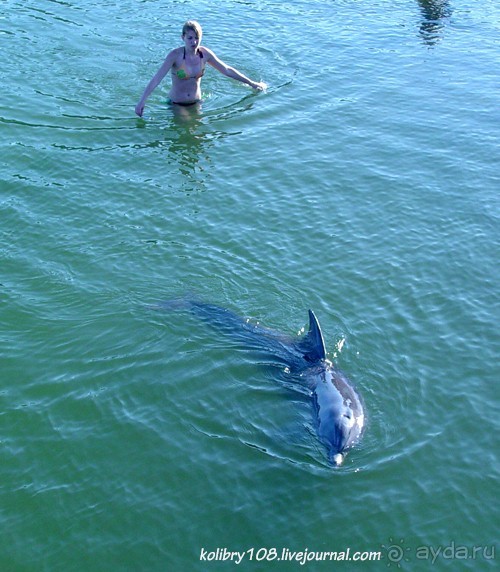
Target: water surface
{"x":363,"y":184}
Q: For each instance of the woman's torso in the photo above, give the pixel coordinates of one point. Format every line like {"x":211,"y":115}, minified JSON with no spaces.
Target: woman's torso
{"x":187,"y":71}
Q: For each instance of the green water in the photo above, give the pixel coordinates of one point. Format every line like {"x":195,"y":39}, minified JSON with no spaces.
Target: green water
{"x":363,"y":184}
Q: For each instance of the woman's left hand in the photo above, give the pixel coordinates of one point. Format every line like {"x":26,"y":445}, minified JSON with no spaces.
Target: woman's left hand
{"x":260,"y":85}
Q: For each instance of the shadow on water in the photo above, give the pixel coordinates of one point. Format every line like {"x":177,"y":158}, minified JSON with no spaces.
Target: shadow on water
{"x":434,"y":14}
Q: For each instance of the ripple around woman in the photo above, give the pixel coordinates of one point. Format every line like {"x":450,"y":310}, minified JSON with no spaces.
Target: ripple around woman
{"x":188,"y":66}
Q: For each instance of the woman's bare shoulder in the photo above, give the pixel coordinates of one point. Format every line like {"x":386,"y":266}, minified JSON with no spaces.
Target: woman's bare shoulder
{"x":174,"y":56}
{"x":176,"y":52}
{"x":207,"y":52}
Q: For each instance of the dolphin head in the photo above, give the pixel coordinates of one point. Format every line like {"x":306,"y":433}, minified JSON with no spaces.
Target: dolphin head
{"x":339,"y":413}
{"x":342,"y":434}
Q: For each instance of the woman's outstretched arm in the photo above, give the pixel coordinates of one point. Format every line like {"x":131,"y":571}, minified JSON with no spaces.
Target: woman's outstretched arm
{"x":231,"y":72}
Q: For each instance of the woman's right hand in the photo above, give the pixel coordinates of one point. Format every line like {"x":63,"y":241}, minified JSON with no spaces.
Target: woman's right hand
{"x":139,"y":108}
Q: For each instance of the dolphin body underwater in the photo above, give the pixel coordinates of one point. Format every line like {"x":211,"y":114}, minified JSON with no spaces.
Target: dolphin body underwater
{"x":338,"y":411}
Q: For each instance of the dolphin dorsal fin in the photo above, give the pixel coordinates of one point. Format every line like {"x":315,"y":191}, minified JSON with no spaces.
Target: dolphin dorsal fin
{"x":313,"y":344}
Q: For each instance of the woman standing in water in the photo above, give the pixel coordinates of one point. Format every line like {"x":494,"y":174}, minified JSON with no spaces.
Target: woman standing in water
{"x":188,"y":66}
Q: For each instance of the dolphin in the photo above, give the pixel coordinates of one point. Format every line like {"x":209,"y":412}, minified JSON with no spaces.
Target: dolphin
{"x":337,"y":407}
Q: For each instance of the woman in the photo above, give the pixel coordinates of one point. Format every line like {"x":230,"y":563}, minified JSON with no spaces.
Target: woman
{"x":188,"y":66}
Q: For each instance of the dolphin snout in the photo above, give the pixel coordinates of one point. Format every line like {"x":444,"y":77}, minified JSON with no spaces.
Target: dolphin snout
{"x":338,"y":459}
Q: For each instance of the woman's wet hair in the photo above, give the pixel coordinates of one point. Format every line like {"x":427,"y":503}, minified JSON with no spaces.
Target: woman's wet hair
{"x":194,"y":26}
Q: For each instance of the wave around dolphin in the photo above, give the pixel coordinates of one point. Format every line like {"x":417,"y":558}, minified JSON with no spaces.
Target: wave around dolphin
{"x":337,"y":408}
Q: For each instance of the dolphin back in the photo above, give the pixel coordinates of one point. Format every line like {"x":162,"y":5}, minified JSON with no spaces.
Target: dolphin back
{"x":295,"y":352}
{"x":310,"y":347}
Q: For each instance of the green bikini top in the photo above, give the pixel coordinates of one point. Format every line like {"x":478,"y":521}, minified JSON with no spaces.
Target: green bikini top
{"x":181,"y":73}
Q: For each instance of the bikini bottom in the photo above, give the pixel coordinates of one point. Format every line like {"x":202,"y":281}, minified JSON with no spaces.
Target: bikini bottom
{"x":184,"y":103}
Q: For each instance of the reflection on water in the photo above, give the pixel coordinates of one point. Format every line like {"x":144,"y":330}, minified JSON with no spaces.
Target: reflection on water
{"x":434,"y":14}
{"x":188,"y":137}
{"x":184,"y":144}
{"x":188,"y":146}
